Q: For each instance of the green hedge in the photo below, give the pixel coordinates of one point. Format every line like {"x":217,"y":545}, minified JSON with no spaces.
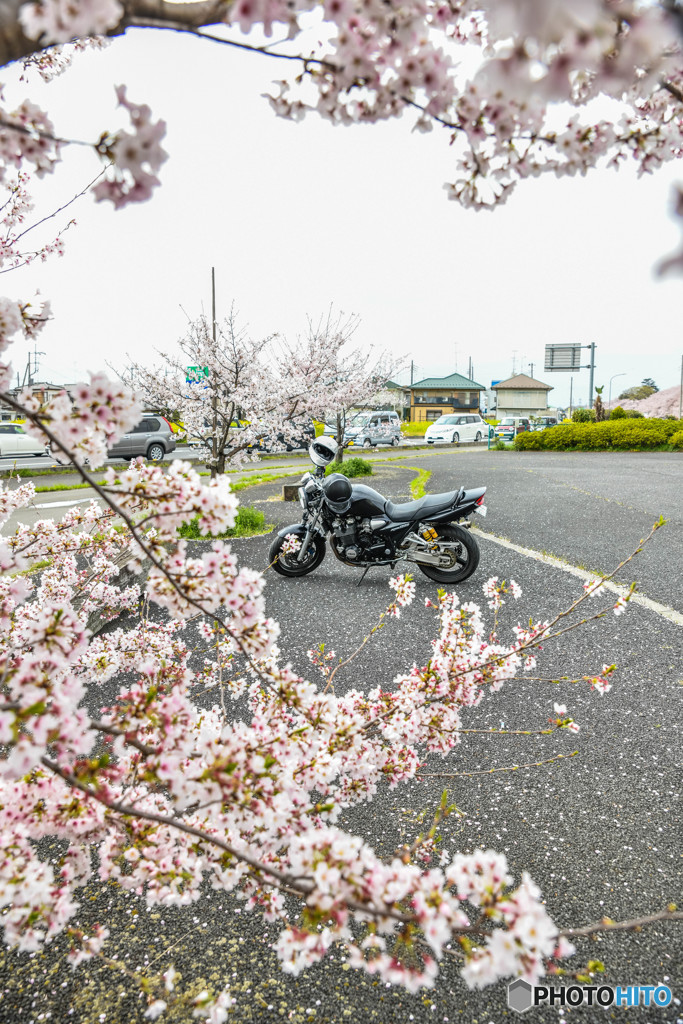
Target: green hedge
{"x":676,"y":440}
{"x":610,"y":435}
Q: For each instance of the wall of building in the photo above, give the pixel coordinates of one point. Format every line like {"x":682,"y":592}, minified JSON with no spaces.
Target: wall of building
{"x":514,"y":402}
{"x":427,"y":406}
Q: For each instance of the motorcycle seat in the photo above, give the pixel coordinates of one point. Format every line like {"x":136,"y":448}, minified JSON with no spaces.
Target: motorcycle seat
{"x":423,"y":508}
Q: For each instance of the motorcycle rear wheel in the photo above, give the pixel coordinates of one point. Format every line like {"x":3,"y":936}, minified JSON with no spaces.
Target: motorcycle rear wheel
{"x":467,"y":554}
{"x":287,"y":565}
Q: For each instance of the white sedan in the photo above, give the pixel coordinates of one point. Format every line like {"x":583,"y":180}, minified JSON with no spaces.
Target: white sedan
{"x":15,"y":442}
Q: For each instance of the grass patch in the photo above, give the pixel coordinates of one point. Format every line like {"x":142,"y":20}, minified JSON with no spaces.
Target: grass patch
{"x":414,"y":429}
{"x":66,"y":487}
{"x":350,"y":467}
{"x":417,"y":486}
{"x":260,"y":478}
{"x":249,"y":521}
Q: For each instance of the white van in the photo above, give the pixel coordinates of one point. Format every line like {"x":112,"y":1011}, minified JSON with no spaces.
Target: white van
{"x":367,"y":429}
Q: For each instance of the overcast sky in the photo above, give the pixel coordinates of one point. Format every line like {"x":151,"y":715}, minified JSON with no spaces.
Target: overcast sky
{"x":296,"y":218}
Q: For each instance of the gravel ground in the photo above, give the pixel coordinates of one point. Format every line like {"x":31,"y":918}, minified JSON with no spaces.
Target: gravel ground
{"x":600,"y":832}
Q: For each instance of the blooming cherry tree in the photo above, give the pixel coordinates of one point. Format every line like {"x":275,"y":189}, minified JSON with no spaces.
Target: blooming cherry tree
{"x":155,"y":793}
{"x":234,"y":395}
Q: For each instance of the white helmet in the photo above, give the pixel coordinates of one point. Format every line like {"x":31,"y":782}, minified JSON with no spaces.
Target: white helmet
{"x":323,"y":451}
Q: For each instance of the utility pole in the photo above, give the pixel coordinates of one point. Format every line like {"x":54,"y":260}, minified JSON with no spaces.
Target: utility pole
{"x":591,"y":367}
{"x":412,"y":372}
{"x":531,"y":366}
{"x":214,"y":439}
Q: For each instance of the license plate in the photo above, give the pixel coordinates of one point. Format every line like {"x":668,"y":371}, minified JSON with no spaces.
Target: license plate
{"x":481,"y":509}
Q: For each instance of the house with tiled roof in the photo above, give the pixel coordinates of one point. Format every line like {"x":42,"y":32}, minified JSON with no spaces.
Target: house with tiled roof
{"x":438,"y":396}
{"x":521,"y":396}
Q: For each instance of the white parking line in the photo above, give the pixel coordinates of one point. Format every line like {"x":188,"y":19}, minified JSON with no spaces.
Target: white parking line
{"x":61,"y":504}
{"x":646,"y":602}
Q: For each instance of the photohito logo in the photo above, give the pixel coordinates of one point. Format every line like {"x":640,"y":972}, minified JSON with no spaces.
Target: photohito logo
{"x":522,"y":996}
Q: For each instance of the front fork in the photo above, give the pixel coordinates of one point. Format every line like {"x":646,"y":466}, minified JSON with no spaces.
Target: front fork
{"x":310,"y":530}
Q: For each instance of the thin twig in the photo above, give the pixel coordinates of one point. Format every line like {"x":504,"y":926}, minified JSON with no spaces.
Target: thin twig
{"x":491,"y":771}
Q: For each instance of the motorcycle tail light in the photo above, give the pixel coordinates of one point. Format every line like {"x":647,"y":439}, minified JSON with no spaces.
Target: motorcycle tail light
{"x":479,"y":500}
{"x":430,"y":533}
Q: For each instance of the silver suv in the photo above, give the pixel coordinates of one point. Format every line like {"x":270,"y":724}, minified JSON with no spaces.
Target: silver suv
{"x":152,"y":437}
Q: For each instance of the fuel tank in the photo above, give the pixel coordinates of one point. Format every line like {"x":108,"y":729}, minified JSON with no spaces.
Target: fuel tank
{"x":365,"y":502}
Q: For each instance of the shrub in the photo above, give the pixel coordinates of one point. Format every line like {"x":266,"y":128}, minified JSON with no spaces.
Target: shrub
{"x":633,"y":414}
{"x":248,"y":521}
{"x":676,"y":440}
{"x":351,"y":467}
{"x":530,"y":441}
{"x":617,"y":413}
{"x":583,"y":415}
{"x":500,"y":445}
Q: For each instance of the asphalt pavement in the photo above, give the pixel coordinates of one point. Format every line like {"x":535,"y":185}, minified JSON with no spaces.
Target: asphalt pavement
{"x":599,"y":832}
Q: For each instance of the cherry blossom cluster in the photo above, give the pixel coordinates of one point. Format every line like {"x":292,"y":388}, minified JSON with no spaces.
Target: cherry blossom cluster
{"x":20,"y":318}
{"x":82,"y":425}
{"x":27,"y":138}
{"x":405,"y":592}
{"x":137,"y":156}
{"x":60,"y":21}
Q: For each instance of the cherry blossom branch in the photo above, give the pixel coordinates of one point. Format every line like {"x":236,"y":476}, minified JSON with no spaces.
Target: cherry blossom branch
{"x":279,"y":878}
{"x":59,"y":210}
{"x":492,"y":771}
{"x":607,"y":925}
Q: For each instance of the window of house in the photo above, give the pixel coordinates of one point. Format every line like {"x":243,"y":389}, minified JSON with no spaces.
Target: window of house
{"x":433,"y":415}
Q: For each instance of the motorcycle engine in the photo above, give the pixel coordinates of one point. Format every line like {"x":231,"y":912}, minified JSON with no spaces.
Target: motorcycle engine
{"x":356,"y":540}
{"x":346,"y":537}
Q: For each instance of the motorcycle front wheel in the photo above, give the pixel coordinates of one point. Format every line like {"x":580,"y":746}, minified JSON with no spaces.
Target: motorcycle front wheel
{"x":287,"y":564}
{"x":466,"y":555}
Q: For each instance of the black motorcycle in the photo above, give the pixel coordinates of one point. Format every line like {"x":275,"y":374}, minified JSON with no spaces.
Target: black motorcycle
{"x":365,"y":529}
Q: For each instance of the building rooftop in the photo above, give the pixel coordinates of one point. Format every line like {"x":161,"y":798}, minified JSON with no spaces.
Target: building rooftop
{"x":522,"y":382}
{"x":454,"y":380}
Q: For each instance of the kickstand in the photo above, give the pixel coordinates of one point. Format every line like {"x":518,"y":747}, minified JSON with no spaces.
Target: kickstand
{"x":367,"y":570}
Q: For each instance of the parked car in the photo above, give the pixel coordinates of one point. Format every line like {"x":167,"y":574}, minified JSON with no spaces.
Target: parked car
{"x":195,"y":441}
{"x":302,"y":436}
{"x":152,"y":437}
{"x":454,"y":428}
{"x":14,"y":441}
{"x":509,"y":427}
{"x":367,"y":429}
{"x":543,"y":422}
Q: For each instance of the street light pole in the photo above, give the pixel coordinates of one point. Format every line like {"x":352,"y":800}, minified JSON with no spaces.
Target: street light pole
{"x":610,"y":386}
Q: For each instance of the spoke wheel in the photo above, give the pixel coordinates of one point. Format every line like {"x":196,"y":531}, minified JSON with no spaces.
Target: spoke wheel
{"x":466,"y":555}
{"x":478,"y":437}
{"x":456,"y":437}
